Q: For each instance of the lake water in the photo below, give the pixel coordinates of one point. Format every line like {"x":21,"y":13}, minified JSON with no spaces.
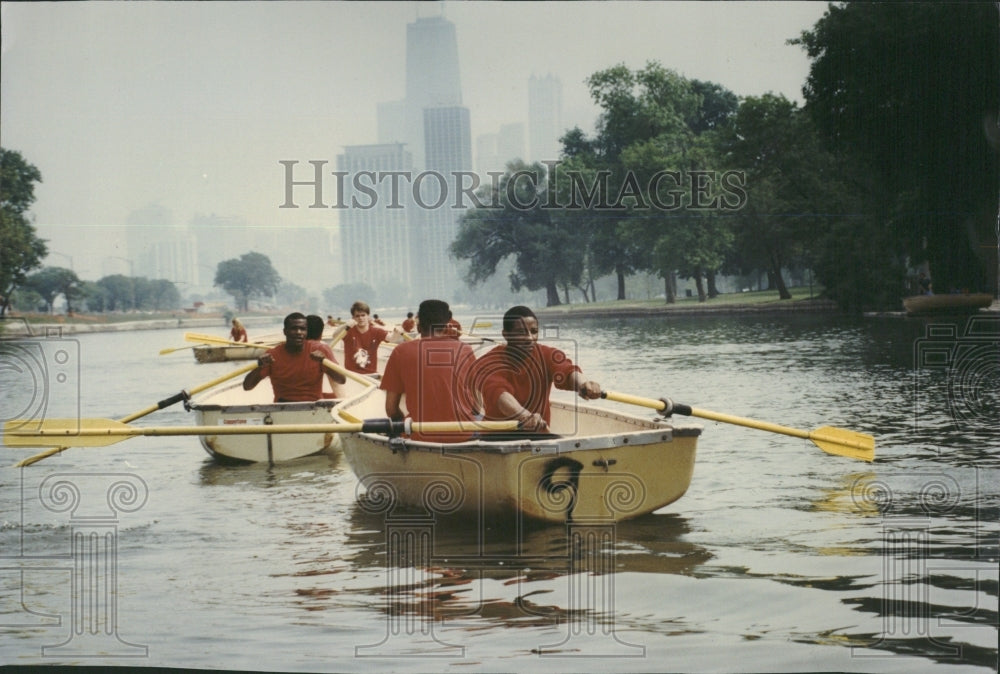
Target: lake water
{"x":779,"y":558}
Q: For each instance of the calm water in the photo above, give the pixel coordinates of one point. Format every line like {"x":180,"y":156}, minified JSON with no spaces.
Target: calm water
{"x":779,"y":558}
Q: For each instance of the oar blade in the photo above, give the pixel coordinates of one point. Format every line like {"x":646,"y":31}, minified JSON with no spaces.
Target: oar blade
{"x":64,"y":432}
{"x":844,"y":443}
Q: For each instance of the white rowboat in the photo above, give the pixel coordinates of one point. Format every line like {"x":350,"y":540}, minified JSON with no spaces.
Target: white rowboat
{"x":229,"y":406}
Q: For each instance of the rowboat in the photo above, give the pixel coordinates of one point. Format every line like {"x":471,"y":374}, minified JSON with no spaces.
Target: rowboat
{"x":953,"y":303}
{"x":599,"y":465}
{"x":230,"y":405}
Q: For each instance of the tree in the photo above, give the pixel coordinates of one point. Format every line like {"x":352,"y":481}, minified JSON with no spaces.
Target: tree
{"x":292,"y":295}
{"x":776,"y":146}
{"x":51,"y":282}
{"x":342,"y":296}
{"x":543,"y":244}
{"x":247,"y":277}
{"x":21,"y":250}
{"x":119,"y":292}
{"x":911,"y":90}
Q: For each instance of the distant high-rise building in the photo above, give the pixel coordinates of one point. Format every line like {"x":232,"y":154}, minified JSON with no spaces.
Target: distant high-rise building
{"x":486,"y":153}
{"x":218,"y":238}
{"x":158,"y":248}
{"x":510,"y":144}
{"x":432,"y":129}
{"x":375,"y":228}
{"x":432,"y":80}
{"x":544,"y":117}
{"x":448,"y":136}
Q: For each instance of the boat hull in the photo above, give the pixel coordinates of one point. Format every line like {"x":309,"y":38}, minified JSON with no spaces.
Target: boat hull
{"x":220,"y":354}
{"x":602,"y":467}
{"x":956,"y":303}
{"x":230,"y":405}
{"x":267,"y":448}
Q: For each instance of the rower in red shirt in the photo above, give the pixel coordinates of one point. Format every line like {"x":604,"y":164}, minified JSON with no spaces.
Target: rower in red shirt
{"x":515,"y":379}
{"x":295,"y":367}
{"x":432,"y":372}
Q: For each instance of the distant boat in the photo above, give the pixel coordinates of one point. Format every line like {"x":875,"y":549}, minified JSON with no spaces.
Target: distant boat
{"x":953,"y":303}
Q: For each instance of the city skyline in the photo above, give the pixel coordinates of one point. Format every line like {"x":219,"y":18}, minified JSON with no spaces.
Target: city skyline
{"x":191,"y":106}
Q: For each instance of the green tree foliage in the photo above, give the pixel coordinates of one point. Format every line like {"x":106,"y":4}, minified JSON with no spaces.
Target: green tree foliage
{"x":156,"y":294}
{"x":51,"y":282}
{"x":790,"y":182}
{"x":654,"y":106}
{"x":911,"y":90}
{"x":249,"y":276}
{"x":21,"y":250}
{"x":339,"y":298}
{"x":653,"y":121}
{"x":543,"y":243}
{"x":119,"y":292}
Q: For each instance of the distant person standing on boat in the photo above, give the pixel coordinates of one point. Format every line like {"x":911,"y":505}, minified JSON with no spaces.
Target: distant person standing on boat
{"x":514,"y":380}
{"x":409,"y":325}
{"x":924,"y":283}
{"x":238,"y":332}
{"x":361,"y":340}
{"x":433,"y":373}
{"x":295,"y":367}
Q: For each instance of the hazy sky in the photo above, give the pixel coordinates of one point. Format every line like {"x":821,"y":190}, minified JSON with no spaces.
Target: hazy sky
{"x":192,"y":105}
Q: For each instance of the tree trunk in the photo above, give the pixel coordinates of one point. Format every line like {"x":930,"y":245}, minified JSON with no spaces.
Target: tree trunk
{"x":551,"y":294}
{"x":713,"y":290}
{"x":670,"y":288}
{"x":621,"y":285}
{"x":779,"y":282}
{"x":699,"y":284}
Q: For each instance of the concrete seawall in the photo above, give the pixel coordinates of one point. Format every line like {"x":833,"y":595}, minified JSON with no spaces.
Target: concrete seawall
{"x":18,"y":327}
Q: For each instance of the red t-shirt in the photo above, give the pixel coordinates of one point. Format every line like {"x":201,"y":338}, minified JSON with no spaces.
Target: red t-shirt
{"x":361,"y":349}
{"x":296,"y":377}
{"x":433,"y":374}
{"x":409,"y":325}
{"x":529,"y":380}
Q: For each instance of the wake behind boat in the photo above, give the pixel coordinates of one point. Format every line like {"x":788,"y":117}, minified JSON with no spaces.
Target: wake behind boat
{"x":601,"y":466}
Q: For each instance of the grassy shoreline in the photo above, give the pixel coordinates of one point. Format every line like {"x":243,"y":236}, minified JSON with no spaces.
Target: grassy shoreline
{"x":731,"y":303}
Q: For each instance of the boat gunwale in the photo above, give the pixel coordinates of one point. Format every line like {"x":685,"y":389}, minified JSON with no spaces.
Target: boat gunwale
{"x":656,"y":431}
{"x":266,"y":407}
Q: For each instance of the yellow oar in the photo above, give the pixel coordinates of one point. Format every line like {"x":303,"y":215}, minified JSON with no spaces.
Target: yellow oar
{"x":222,"y":341}
{"x":104,"y":432}
{"x":209,"y":339}
{"x":166,"y":402}
{"x":360,"y":378}
{"x":831,"y":440}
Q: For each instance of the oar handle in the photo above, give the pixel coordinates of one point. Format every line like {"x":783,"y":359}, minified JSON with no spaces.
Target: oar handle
{"x":665,"y":405}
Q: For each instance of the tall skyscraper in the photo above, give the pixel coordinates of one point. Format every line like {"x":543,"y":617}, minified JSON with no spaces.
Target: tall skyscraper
{"x":510,"y":144}
{"x":544,"y":117}
{"x":448,"y":138}
{"x":432,"y":80}
{"x":376,"y":231}
{"x":435,"y":130}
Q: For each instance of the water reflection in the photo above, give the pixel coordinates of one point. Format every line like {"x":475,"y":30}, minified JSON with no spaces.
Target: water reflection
{"x":442,"y":568}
